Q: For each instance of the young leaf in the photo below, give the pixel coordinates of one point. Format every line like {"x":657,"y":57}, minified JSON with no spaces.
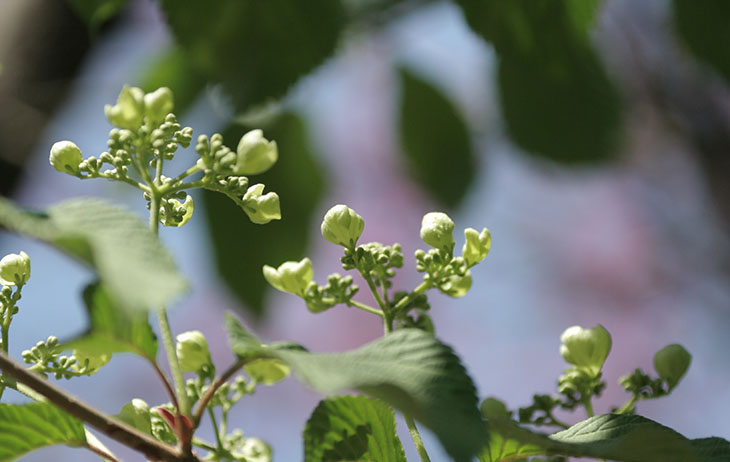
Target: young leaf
{"x":411,"y":371}
{"x":712,"y":449}
{"x":26,"y":427}
{"x":130,"y":261}
{"x":352,"y":428}
{"x":242,"y":342}
{"x":113,"y":330}
{"x":436,"y":140}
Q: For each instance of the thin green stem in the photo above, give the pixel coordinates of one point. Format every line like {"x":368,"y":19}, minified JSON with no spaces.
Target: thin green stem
{"x":205,"y":399}
{"x":422,"y":287}
{"x":173,"y":185}
{"x":203,"y":445}
{"x":218,"y":440}
{"x":557,"y":422}
{"x":589,"y":407}
{"x":417,"y":440}
{"x":628,"y":405}
{"x":365,"y":307}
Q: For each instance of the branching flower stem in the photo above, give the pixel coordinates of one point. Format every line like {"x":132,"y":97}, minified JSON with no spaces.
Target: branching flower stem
{"x":223,"y":378}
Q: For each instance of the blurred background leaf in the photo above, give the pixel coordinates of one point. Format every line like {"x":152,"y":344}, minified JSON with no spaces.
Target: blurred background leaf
{"x":705,"y":29}
{"x":97,"y":12}
{"x":435,"y":139}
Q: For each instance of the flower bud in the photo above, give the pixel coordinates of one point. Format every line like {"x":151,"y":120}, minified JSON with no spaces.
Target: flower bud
{"x":672,"y":362}
{"x":456,"y":286}
{"x":183,"y":210}
{"x":261,"y":209}
{"x":492,"y":408}
{"x":15,"y":269}
{"x":192,"y":351}
{"x":129,"y":110}
{"x":158,"y":104}
{"x":342,"y":226}
{"x":137,"y":414}
{"x":290,"y":276}
{"x":66,"y":157}
{"x":586,"y":348}
{"x":437,"y":230}
{"x":476,"y":246}
{"x":255,"y":154}
{"x":255,"y":450}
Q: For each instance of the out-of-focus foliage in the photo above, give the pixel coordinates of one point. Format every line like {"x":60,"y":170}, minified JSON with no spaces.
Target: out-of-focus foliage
{"x":97,"y":12}
{"x":705,"y":29}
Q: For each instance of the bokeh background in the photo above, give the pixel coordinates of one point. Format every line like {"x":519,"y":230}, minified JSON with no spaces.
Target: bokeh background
{"x":591,"y":137}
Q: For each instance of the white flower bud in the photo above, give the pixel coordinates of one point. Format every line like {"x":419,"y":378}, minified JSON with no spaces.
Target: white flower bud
{"x":192,"y":351}
{"x":158,"y":104}
{"x":255,"y":450}
{"x":342,"y":226}
{"x":476,"y":246}
{"x":586,"y":348}
{"x":261,"y":209}
{"x":437,"y":230}
{"x":672,"y":362}
{"x":15,"y":269}
{"x":129,"y":110}
{"x":255,"y":154}
{"x":66,"y":157}
{"x":290,"y":276}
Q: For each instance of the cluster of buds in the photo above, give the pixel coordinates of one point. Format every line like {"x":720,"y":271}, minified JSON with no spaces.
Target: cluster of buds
{"x":339,"y":289}
{"x":375,"y":260}
{"x":45,"y":358}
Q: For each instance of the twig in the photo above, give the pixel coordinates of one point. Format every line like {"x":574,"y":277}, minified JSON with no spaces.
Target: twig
{"x":214,"y":387}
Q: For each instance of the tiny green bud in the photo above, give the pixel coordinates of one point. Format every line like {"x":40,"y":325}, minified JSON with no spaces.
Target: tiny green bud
{"x":15,"y":269}
{"x":192,"y":351}
{"x":255,"y":154}
{"x":476,"y":246}
{"x":290,"y":276}
{"x":493,"y":408}
{"x":158,"y":104}
{"x":672,"y":362}
{"x":267,"y":371}
{"x":342,"y":226}
{"x":456,"y":286}
{"x":261,"y":209}
{"x":437,"y":230}
{"x":586,"y":348}
{"x":255,"y":450}
{"x":66,"y":157}
{"x":137,"y":414}
{"x":129,"y":110}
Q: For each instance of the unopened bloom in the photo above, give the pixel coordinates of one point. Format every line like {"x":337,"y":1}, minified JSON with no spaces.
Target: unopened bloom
{"x":342,"y":226}
{"x":129,"y":110}
{"x":261,"y":209}
{"x":158,"y":104}
{"x":476,"y":246}
{"x":15,"y":269}
{"x":290,"y":276}
{"x":66,"y":157}
{"x":437,"y":230}
{"x":255,"y":154}
{"x":586,"y":348}
{"x":192,"y":351}
{"x":672,"y":362}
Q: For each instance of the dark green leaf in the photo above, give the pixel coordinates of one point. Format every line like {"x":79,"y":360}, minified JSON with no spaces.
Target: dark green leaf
{"x":345,"y":428}
{"x":435,"y":140}
{"x":257,"y":49}
{"x":704,"y":28}
{"x":26,"y":427}
{"x":241,"y":248}
{"x":130,"y":260}
{"x":97,"y":12}
{"x":557,"y":99}
{"x":113,"y":330}
{"x":411,"y":371}
{"x":712,"y":449}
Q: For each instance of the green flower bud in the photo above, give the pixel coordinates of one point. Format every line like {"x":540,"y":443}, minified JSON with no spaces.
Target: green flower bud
{"x":290,"y":276}
{"x":672,"y":362}
{"x":15,"y":269}
{"x":186,"y":208}
{"x":255,"y":154}
{"x":158,"y":104}
{"x":342,"y":226}
{"x":267,"y":371}
{"x":456,"y":286}
{"x":66,"y":157}
{"x":137,"y":414}
{"x":437,"y":230}
{"x":255,"y":450}
{"x":192,"y":351}
{"x":586,"y":349}
{"x":476,"y":246}
{"x":129,"y":110}
{"x":261,"y":209}
{"x":492,"y":408}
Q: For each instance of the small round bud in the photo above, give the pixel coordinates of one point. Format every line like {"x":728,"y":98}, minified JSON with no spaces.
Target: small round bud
{"x":456,"y":286}
{"x":477,"y":245}
{"x":586,"y":348}
{"x":255,"y":450}
{"x":158,"y":104}
{"x":291,"y":276}
{"x":192,"y":351}
{"x":672,"y":362}
{"x":66,"y":157}
{"x":15,"y":269}
{"x":493,"y":408}
{"x":261,"y":209}
{"x":342,"y":226}
{"x":255,"y":154}
{"x":137,"y":414}
{"x":437,"y":230}
{"x":129,"y":110}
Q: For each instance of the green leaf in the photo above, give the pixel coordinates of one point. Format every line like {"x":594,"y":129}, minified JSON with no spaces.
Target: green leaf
{"x":26,"y":427}
{"x":93,"y":442}
{"x":113,"y":330}
{"x":97,"y":12}
{"x":557,"y":99}
{"x":435,"y":140}
{"x":345,"y":428}
{"x":129,"y":259}
{"x":257,"y":49}
{"x":712,"y":449}
{"x":623,"y":438}
{"x":241,"y":248}
{"x":411,"y":371}
{"x":243,"y":343}
{"x":703,"y":26}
